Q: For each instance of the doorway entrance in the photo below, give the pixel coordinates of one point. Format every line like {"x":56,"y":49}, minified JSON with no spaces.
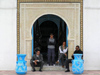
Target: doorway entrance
{"x":41,"y":30}
{"x":47,"y":28}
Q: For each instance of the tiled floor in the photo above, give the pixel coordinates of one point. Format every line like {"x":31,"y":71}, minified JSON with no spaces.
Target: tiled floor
{"x":50,"y":73}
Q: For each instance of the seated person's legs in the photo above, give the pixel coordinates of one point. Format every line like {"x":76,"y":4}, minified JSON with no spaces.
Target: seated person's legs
{"x":60,"y":57}
{"x":33,"y":66}
{"x":39,"y":64}
{"x":62,"y":60}
{"x":67,"y":64}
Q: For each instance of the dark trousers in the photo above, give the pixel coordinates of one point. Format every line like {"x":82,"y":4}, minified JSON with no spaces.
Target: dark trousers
{"x":67,"y":63}
{"x":51,"y":52}
{"x":61,"y":57}
{"x":39,"y":64}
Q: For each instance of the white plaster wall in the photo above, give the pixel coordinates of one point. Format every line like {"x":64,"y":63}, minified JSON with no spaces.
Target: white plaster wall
{"x":91,"y":25}
{"x":8,"y":34}
{"x":91,"y":34}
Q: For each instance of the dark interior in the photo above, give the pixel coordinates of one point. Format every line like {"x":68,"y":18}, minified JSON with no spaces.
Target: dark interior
{"x":42,"y":32}
{"x":47,"y":28}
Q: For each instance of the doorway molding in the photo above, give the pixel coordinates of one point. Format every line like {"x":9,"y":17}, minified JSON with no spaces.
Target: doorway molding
{"x":24,"y":5}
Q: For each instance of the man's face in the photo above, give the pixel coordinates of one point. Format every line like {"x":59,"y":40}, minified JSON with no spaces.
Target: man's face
{"x":38,"y":52}
{"x":51,"y":36}
{"x":64,"y":43}
{"x":77,"y":48}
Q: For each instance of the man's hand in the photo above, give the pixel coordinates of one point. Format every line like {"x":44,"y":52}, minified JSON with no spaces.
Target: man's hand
{"x":35,"y":63}
{"x":35,"y":60}
{"x":65,"y":54}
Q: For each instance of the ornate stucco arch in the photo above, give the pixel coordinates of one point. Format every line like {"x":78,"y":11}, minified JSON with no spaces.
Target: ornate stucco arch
{"x":28,"y":12}
{"x":55,"y":14}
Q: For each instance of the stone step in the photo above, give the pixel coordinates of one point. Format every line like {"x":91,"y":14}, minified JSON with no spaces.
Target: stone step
{"x":53,"y":68}
{"x":49,"y":68}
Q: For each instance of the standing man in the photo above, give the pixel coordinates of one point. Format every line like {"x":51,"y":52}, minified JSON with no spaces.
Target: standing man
{"x":37,"y":61}
{"x":51,"y":49}
{"x":77,"y":51}
{"x":62,"y":53}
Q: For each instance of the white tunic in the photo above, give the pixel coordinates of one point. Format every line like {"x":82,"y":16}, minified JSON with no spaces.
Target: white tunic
{"x":64,"y":50}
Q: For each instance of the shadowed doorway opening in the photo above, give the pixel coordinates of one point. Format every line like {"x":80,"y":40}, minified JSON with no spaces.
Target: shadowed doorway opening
{"x":47,"y":28}
{"x":41,"y":30}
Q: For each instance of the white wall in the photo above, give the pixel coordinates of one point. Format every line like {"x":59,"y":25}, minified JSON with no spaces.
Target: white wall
{"x":8,"y":23}
{"x":91,"y":34}
{"x":7,"y":34}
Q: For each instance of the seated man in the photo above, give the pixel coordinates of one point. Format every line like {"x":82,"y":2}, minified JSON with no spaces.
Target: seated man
{"x":37,"y":60}
{"x":77,"y":51}
{"x":62,"y":50}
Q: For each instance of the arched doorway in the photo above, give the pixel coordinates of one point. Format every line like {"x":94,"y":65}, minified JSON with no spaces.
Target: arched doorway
{"x":41,"y":30}
{"x":47,"y":28}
